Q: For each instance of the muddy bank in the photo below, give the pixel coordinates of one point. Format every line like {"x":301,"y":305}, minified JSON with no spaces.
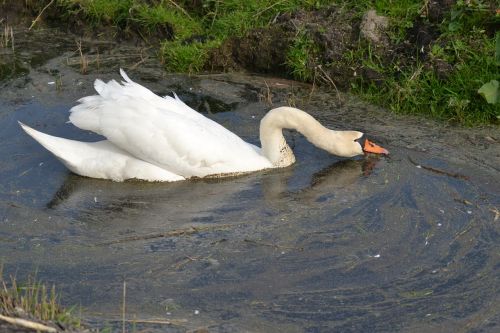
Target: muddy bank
{"x":337,"y":33}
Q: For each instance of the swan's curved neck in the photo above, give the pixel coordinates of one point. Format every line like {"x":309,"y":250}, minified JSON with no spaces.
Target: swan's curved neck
{"x":274,"y":146}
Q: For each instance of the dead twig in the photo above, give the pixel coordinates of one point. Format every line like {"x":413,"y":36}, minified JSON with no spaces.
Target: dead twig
{"x":268,"y":97}
{"x":463,"y":232}
{"x":267,"y":8}
{"x":180,"y":8}
{"x":465,"y":202}
{"x":276,"y":246}
{"x":7,"y":37}
{"x":28,"y":324}
{"x":143,"y":59}
{"x":84,"y":63}
{"x":313,"y":88}
{"x":185,"y":261}
{"x":40,"y":14}
{"x":177,"y":322}
{"x":171,"y":233}
{"x":124,"y":305}
{"x":100,"y":60}
{"x":438,"y":171}
{"x":327,"y":78}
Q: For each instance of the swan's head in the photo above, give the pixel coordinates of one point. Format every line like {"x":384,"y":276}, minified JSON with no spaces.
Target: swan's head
{"x":352,"y":143}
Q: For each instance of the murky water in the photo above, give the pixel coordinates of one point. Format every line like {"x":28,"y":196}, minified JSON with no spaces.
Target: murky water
{"x":404,"y":243}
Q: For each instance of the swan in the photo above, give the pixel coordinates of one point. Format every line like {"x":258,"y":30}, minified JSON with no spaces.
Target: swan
{"x":155,"y":138}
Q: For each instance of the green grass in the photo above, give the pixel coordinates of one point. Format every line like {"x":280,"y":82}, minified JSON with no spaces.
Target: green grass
{"x":415,"y":87}
{"x":410,"y":85}
{"x":34,"y":299}
{"x":401,"y":13}
{"x":418,"y":89}
{"x":300,"y":56}
{"x":115,"y":12}
{"x":234,"y":17}
{"x":152,"y":17}
{"x":186,"y":58}
{"x":220,"y":20}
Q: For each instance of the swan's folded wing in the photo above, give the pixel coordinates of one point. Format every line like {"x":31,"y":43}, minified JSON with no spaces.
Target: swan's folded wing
{"x":134,"y":90}
{"x":179,"y":142}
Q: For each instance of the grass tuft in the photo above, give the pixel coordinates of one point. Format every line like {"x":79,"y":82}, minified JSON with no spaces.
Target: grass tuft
{"x":299,"y":57}
{"x":183,"y":57}
{"x":159,"y":15}
{"x":114,"y":12}
{"x":33,"y":299}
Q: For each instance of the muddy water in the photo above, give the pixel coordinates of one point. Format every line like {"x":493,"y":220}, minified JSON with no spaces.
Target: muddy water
{"x":405,"y":243}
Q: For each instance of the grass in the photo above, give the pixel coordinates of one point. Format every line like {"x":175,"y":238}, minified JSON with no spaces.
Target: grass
{"x":115,"y":12}
{"x":418,"y":89}
{"x":409,"y":85}
{"x":218,"y":21}
{"x":34,"y":300}
{"x":463,"y":44}
{"x":192,"y":58}
{"x":152,"y":17}
{"x":300,"y":56}
{"x":234,"y":17}
{"x":7,"y":37}
{"x":33,"y":306}
{"x":214,"y":18}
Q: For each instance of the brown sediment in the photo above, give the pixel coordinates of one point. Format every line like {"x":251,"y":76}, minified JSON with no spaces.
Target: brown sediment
{"x":438,"y":171}
{"x":171,"y":233}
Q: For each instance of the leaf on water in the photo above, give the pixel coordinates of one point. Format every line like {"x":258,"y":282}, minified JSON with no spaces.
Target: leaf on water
{"x":490,"y":91}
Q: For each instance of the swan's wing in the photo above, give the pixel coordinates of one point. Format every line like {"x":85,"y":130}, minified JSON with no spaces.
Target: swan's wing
{"x":114,"y":91}
{"x":165,"y":132}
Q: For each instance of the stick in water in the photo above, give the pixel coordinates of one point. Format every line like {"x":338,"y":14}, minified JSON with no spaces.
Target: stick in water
{"x":28,"y":324}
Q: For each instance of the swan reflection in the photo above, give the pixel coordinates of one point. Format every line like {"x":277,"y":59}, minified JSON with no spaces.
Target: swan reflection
{"x":205,"y":200}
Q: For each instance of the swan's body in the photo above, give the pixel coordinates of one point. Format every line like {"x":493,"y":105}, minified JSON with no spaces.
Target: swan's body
{"x":162,"y":139}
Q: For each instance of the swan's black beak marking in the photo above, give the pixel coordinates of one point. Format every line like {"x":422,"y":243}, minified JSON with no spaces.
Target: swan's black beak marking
{"x":370,"y":147}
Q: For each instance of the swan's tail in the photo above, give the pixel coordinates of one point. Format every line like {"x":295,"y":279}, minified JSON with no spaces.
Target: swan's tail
{"x":100,"y":159}
{"x":62,"y":148}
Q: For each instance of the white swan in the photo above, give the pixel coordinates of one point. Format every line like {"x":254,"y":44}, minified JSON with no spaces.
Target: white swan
{"x":162,"y":139}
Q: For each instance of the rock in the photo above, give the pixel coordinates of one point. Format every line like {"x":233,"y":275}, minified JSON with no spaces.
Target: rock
{"x":373,"y":28}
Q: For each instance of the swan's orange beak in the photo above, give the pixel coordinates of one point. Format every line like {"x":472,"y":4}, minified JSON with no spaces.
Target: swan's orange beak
{"x":370,"y":147}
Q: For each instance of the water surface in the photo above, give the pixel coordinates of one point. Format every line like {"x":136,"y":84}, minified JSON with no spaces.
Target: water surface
{"x":408,"y":242}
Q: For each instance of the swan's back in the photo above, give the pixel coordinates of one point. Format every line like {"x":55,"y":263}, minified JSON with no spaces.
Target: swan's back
{"x":164,"y":131}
